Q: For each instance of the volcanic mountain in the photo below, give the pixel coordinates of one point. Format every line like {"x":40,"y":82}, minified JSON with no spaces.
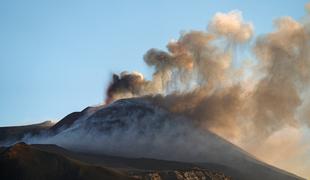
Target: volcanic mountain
{"x":137,"y":137}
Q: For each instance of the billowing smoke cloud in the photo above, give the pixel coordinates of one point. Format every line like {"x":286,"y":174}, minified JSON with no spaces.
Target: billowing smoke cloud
{"x":196,"y":74}
{"x":125,"y":85}
{"x":285,"y":61}
{"x":231,"y":26}
{"x":196,"y":78}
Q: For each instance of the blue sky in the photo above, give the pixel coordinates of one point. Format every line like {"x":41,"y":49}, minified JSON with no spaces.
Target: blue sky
{"x":57,"y":56}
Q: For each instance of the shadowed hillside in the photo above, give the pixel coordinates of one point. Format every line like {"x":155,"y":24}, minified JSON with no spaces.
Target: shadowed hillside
{"x":26,"y":162}
{"x":23,"y":161}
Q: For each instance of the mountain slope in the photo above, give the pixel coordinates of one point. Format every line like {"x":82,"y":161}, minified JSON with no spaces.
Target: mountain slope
{"x":23,"y":161}
{"x":16,"y":133}
{"x":141,"y":131}
{"x":26,"y":162}
{"x":137,"y":128}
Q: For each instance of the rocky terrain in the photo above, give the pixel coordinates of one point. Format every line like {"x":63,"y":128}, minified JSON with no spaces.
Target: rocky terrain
{"x":191,"y":174}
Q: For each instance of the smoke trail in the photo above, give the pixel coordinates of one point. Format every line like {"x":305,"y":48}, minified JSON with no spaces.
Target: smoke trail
{"x":199,"y":69}
{"x":196,"y":79}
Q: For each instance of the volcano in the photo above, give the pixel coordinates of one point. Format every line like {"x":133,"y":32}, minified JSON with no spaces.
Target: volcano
{"x":136,"y":138}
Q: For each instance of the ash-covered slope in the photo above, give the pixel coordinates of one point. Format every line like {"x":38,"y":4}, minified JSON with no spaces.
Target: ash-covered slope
{"x":15,"y":133}
{"x":137,"y":128}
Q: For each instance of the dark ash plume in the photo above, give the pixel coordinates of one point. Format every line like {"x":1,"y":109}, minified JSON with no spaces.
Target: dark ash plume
{"x":125,"y":85}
